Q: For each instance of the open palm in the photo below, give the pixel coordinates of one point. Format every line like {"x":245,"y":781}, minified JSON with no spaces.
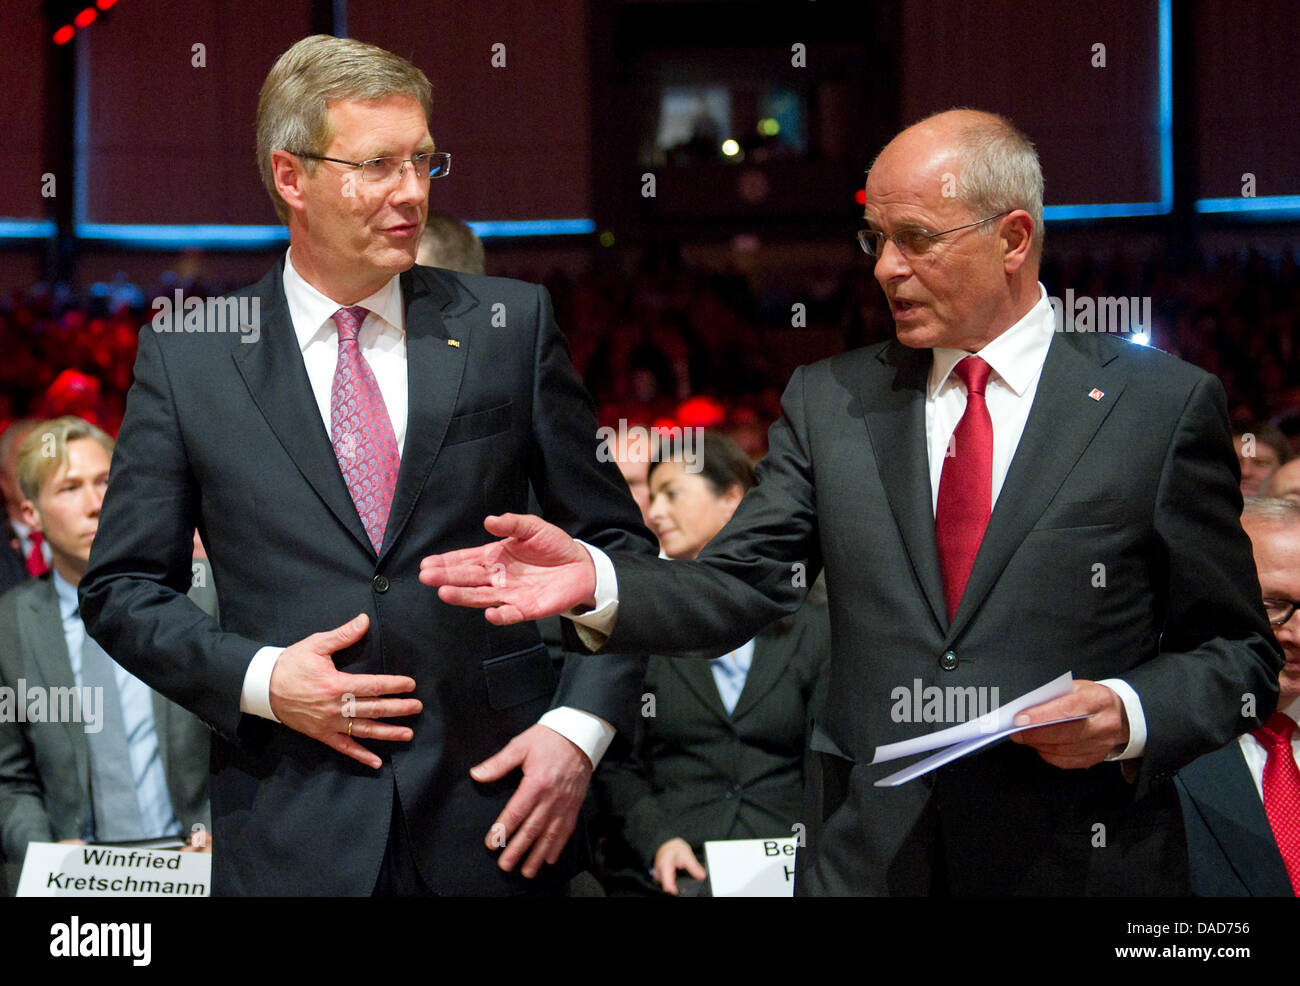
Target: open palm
{"x":536,"y":570}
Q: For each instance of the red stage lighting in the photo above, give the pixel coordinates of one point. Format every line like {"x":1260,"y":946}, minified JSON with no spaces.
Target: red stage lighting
{"x":104,"y":4}
{"x":86,"y":17}
{"x":64,"y":34}
{"x":860,"y":196}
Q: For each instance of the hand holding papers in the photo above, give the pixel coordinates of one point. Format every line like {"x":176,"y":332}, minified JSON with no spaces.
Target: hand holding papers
{"x":967,"y":737}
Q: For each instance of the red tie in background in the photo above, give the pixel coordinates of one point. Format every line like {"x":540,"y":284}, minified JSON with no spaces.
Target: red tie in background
{"x":965,"y":485}
{"x":36,"y":565}
{"x":1282,"y":791}
{"x":361,"y":431}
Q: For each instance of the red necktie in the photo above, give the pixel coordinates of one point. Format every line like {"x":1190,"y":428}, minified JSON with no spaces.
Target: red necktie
{"x":361,"y":431}
{"x":36,"y":565}
{"x":1282,"y":791}
{"x":965,"y":485}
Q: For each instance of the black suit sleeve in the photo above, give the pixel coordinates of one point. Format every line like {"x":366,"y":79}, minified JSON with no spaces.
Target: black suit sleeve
{"x":133,"y":594}
{"x":756,"y":570}
{"x":1214,"y":634}
{"x":589,"y":499}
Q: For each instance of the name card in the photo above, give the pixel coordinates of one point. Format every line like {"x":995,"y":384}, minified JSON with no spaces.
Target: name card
{"x":751,"y":867}
{"x":55,"y":870}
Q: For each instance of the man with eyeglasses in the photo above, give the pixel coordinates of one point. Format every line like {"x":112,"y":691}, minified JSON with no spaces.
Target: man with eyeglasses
{"x":1241,"y":803}
{"x":368,"y":737}
{"x":993,"y":504}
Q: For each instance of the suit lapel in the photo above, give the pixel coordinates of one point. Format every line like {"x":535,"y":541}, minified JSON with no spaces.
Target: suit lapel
{"x":1220,"y":779}
{"x":698,"y":677}
{"x":276,"y":377}
{"x":41,"y":629}
{"x":895,"y":419}
{"x":434,"y":370}
{"x":1061,"y":423}
{"x":765,"y":671}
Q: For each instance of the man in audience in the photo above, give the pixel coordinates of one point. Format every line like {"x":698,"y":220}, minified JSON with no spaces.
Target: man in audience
{"x":1241,"y":803}
{"x":449,"y":243}
{"x":1285,"y":483}
{"x":23,"y":552}
{"x":139,"y":770}
{"x":1261,"y":449}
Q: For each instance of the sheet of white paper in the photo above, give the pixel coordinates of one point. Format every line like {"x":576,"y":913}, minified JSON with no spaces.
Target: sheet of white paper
{"x":982,"y":728}
{"x":958,"y":750}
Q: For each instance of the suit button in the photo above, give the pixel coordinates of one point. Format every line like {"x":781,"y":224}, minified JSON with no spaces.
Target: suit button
{"x":949,"y":661}
{"x":380,"y":583}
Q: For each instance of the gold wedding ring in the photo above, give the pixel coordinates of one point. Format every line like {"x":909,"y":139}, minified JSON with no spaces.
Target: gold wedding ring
{"x":349,"y":729}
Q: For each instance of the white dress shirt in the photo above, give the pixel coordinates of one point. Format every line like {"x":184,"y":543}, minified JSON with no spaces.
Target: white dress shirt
{"x":1016,"y":358}
{"x":382,"y":340}
{"x":1256,"y":753}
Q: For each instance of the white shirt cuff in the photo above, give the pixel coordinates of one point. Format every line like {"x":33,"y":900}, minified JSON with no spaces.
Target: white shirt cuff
{"x":1137,"y":722}
{"x":589,"y":733}
{"x":255,"y":699}
{"x":601,"y":617}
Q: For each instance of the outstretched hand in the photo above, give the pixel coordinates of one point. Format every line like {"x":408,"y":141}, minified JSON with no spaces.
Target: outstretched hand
{"x":536,"y":571}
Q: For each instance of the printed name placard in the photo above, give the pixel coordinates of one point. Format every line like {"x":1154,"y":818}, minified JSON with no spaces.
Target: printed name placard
{"x":55,"y":870}
{"x":751,"y":867}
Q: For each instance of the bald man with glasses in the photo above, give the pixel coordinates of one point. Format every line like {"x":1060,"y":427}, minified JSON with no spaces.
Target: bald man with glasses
{"x":1241,"y":804}
{"x":993,"y":504}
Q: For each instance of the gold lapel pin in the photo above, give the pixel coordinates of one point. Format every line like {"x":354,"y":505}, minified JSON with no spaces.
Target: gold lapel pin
{"x":454,"y":342}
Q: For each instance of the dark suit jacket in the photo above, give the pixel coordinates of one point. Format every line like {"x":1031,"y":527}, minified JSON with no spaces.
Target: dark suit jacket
{"x":227,"y":435}
{"x":1142,"y":482}
{"x":693,"y":771}
{"x":45,"y":767}
{"x":1229,"y":841}
{"x":13,"y":568}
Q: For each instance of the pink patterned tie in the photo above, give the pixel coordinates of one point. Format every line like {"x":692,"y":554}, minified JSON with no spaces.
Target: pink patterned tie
{"x":361,"y":430}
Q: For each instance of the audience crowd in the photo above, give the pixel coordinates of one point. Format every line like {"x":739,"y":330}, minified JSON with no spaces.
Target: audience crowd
{"x":646,"y":340}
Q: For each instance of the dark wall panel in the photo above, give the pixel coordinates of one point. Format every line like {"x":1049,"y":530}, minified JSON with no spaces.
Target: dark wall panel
{"x":1248,"y":96}
{"x":1095,"y":128}
{"x":170,"y":142}
{"x":22,"y":111}
{"x":519,"y":135}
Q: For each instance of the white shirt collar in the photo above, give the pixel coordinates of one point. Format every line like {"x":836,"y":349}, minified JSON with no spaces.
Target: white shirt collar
{"x":66,"y":593}
{"x":1293,"y":710}
{"x":1016,"y":355}
{"x":312,"y":312}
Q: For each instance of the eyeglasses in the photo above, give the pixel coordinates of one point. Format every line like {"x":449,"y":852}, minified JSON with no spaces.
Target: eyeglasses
{"x":912,"y":241}
{"x":1279,"y":611}
{"x":429,"y":165}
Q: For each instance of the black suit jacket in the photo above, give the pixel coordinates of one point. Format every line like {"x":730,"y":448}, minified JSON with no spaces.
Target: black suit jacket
{"x":1141,"y":482}
{"x":1229,"y":841}
{"x":45,"y":767}
{"x":226,"y":434}
{"x":695,"y":772}
{"x":13,"y":567}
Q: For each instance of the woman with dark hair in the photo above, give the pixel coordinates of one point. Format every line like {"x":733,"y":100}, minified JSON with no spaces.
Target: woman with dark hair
{"x":718,"y":753}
